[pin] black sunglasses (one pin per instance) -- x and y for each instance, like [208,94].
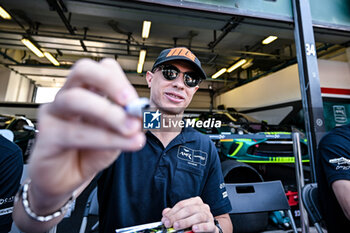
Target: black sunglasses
[170,72]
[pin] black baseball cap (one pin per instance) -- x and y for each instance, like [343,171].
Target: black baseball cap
[180,53]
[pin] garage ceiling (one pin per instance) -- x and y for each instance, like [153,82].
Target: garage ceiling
[96,29]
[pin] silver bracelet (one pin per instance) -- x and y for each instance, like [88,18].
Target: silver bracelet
[31,214]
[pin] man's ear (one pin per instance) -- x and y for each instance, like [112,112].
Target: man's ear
[149,78]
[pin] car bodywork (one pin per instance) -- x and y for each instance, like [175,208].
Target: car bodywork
[247,140]
[272,147]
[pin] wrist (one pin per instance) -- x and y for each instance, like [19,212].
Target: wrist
[41,203]
[218,227]
[33,213]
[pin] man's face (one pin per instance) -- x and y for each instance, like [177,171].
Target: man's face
[171,96]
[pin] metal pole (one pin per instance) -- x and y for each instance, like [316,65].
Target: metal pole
[304,221]
[309,78]
[290,215]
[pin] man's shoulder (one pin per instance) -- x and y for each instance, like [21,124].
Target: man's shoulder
[343,130]
[195,132]
[7,147]
[338,135]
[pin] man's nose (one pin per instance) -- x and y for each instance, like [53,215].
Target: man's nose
[179,81]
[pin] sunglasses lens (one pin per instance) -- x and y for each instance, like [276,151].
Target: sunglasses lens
[169,73]
[191,80]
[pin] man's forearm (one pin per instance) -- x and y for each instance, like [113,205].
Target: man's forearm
[41,206]
[27,224]
[225,223]
[341,190]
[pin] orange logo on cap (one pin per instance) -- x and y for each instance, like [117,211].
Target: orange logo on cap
[182,52]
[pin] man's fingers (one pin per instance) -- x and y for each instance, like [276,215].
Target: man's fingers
[204,227]
[86,136]
[81,103]
[192,219]
[106,78]
[125,92]
[80,135]
[185,209]
[165,211]
[184,203]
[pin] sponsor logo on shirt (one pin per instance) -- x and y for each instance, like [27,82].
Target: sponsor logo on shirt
[193,157]
[222,185]
[224,194]
[342,163]
[6,211]
[7,200]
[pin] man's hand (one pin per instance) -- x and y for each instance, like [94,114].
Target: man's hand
[85,128]
[190,213]
[80,133]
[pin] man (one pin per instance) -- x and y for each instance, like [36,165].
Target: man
[11,167]
[333,176]
[149,183]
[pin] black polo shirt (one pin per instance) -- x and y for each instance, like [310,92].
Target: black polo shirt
[333,163]
[139,185]
[11,167]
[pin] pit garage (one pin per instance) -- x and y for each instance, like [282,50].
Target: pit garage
[274,68]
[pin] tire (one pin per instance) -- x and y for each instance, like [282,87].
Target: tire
[237,172]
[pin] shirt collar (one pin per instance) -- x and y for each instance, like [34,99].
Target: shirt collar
[186,135]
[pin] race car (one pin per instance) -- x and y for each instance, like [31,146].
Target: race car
[247,140]
[263,147]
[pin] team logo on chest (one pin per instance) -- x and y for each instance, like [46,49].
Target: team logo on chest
[342,163]
[193,157]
